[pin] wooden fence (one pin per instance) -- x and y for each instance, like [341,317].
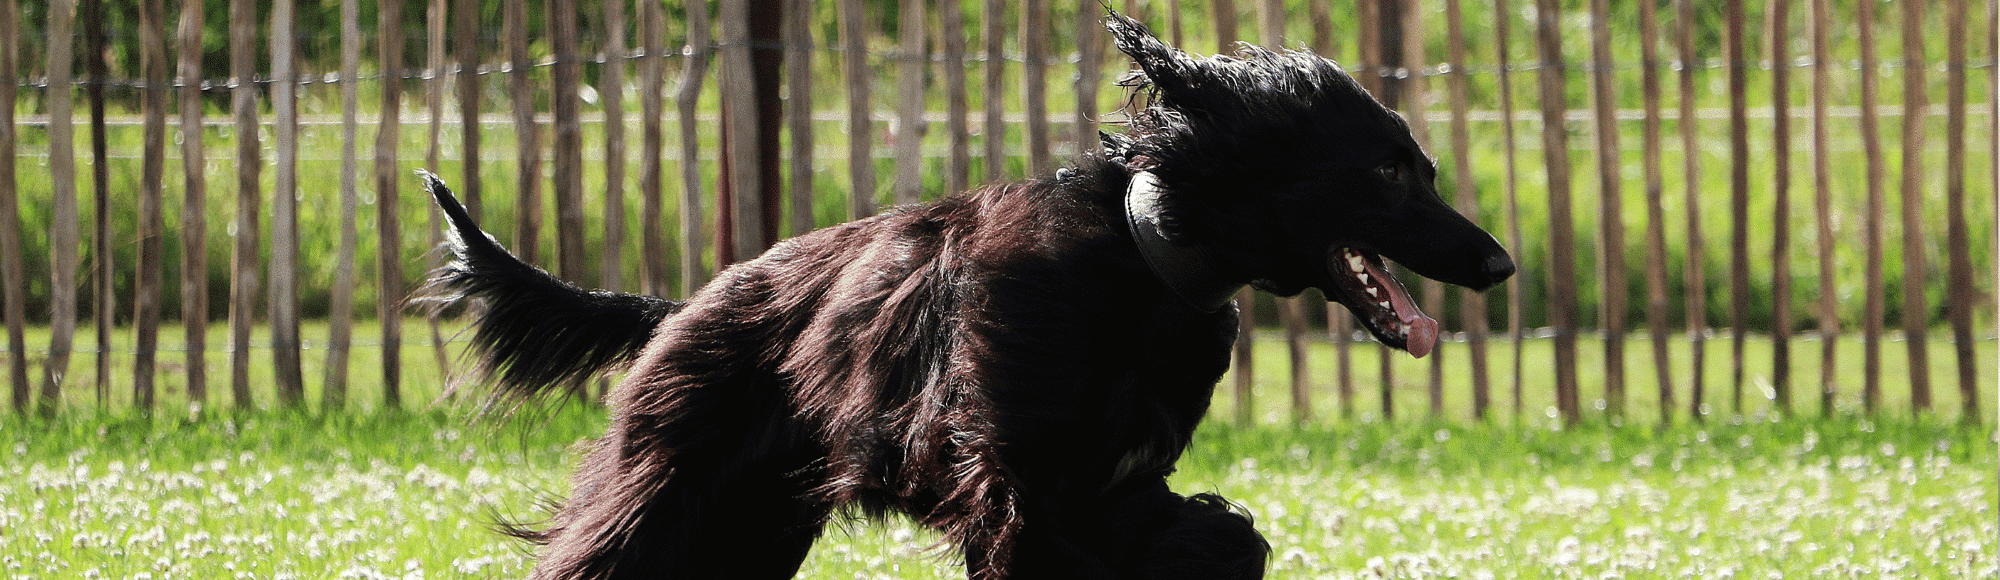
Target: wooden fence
[751,171]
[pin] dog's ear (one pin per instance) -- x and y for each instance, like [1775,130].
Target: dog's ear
[1164,66]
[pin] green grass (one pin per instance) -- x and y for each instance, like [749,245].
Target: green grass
[401,495]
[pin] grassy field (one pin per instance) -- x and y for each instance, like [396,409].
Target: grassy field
[413,495]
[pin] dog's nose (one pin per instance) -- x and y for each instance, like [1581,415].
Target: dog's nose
[1498,268]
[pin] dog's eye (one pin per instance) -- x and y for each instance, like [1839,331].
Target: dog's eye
[1391,171]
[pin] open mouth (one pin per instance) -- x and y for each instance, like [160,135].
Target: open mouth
[1379,301]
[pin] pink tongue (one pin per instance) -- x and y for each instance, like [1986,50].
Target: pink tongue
[1421,331]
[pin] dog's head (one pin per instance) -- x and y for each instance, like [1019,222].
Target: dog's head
[1288,175]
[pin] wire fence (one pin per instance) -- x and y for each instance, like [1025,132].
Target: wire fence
[528,113]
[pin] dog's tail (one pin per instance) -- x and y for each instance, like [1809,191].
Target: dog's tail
[535,333]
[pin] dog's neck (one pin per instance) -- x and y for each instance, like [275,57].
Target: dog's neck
[1187,270]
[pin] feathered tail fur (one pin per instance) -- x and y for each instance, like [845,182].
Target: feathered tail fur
[534,332]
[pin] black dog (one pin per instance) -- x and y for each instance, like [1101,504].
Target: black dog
[1017,367]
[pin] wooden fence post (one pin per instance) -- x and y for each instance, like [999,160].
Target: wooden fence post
[566,179]
[1656,215]
[1611,222]
[1034,84]
[153,106]
[13,283]
[1959,296]
[245,261]
[1472,305]
[528,170]
[63,236]
[1871,330]
[860,126]
[434,61]
[910,125]
[1916,316]
[1515,284]
[569,141]
[1781,198]
[96,66]
[194,205]
[799,51]
[615,54]
[951,24]
[742,208]
[655,277]
[389,259]
[994,99]
[1697,280]
[1089,73]
[697,52]
[1829,302]
[1417,83]
[284,208]
[333,396]
[465,45]
[1562,269]
[1739,197]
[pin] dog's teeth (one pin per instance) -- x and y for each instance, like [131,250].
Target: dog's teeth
[1384,304]
[1372,292]
[1363,276]
[1355,262]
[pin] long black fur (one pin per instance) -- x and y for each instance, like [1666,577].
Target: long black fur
[528,355]
[1002,365]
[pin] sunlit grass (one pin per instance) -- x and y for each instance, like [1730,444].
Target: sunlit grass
[400,495]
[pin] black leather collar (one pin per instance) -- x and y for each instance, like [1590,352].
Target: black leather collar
[1188,270]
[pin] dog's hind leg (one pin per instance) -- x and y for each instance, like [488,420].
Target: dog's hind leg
[649,514]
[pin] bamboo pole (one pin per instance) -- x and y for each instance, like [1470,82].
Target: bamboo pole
[389,301]
[152,175]
[860,125]
[1562,267]
[910,126]
[244,263]
[13,280]
[194,206]
[284,262]
[333,397]
[1611,222]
